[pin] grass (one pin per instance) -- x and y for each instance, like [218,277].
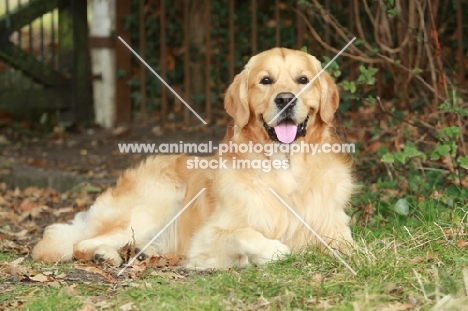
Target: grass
[410,262]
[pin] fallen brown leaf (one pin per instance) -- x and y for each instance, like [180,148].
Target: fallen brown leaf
[126,307]
[420,259]
[34,212]
[4,202]
[317,277]
[15,268]
[81,203]
[120,131]
[54,284]
[61,276]
[373,147]
[95,270]
[367,214]
[10,215]
[17,192]
[17,235]
[15,304]
[456,231]
[40,278]
[71,290]
[461,243]
[170,260]
[6,245]
[62,210]
[27,205]
[87,307]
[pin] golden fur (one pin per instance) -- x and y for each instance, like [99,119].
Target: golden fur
[237,220]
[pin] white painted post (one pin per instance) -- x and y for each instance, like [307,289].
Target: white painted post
[103,62]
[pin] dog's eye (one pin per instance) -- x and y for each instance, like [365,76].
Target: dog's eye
[303,80]
[266,80]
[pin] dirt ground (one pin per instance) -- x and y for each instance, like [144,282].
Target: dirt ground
[87,155]
[48,177]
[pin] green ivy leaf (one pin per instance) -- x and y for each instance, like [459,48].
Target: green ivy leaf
[358,42]
[411,151]
[337,73]
[349,86]
[417,70]
[372,100]
[400,157]
[370,81]
[463,162]
[451,132]
[373,71]
[388,158]
[440,151]
[393,12]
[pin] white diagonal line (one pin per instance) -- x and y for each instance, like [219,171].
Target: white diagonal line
[313,79]
[164,82]
[159,233]
[315,233]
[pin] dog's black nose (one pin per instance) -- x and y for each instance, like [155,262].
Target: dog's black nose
[282,99]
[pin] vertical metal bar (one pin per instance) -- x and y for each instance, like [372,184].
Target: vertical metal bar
[41,34]
[163,61]
[30,33]
[53,60]
[278,23]
[253,26]
[187,60]
[18,77]
[461,52]
[231,40]
[7,68]
[352,63]
[142,46]
[19,30]
[30,47]
[74,74]
[123,56]
[327,27]
[208,61]
[299,28]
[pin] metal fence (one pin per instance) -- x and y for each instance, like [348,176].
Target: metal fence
[43,55]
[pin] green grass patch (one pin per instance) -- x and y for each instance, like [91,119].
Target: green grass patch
[413,262]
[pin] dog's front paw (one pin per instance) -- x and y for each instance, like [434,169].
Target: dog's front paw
[273,250]
[148,251]
[107,254]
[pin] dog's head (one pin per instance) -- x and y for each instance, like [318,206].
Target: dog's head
[272,93]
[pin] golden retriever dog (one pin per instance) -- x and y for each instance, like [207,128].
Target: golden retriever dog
[237,220]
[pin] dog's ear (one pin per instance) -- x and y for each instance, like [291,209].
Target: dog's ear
[236,101]
[329,95]
[329,98]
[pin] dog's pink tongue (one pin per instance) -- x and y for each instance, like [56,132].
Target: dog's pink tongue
[286,132]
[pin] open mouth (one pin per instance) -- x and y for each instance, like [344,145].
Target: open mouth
[286,131]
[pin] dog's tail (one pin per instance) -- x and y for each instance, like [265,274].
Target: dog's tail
[57,243]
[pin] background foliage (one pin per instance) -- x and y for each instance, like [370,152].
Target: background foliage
[403,81]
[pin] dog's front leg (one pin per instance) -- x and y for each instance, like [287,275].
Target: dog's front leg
[214,247]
